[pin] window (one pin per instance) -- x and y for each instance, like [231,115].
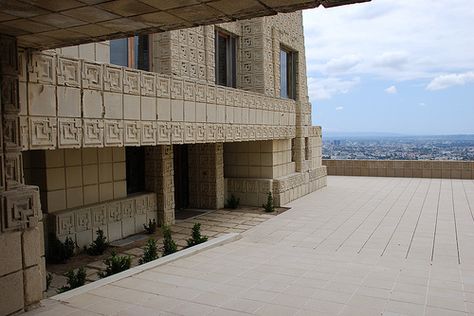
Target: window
[131,52]
[287,74]
[225,59]
[307,151]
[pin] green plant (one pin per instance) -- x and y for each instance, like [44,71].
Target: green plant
[169,246]
[151,227]
[49,279]
[99,245]
[58,251]
[74,279]
[232,202]
[269,205]
[196,237]
[150,252]
[115,264]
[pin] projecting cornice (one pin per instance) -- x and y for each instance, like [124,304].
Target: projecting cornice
[47,24]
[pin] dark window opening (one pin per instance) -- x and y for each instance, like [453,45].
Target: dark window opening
[133,52]
[135,165]
[306,149]
[225,55]
[142,52]
[293,150]
[287,74]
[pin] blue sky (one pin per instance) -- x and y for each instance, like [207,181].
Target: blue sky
[392,66]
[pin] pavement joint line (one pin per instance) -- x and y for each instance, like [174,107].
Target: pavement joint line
[401,217]
[384,216]
[418,219]
[219,241]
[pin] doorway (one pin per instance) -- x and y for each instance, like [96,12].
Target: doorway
[181,176]
[135,169]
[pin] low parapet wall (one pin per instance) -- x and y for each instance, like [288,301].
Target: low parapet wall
[401,168]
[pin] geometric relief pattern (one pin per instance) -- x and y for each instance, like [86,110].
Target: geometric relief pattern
[249,115]
[81,219]
[148,133]
[69,72]
[42,133]
[70,133]
[113,133]
[132,133]
[20,208]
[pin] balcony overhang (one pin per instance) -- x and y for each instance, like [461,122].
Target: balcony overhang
[44,24]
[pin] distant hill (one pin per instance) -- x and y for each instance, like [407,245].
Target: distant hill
[376,135]
[360,135]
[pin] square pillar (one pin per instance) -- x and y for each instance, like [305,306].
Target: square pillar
[22,273]
[206,176]
[159,174]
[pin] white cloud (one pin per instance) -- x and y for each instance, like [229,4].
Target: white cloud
[339,108]
[326,88]
[446,81]
[342,64]
[394,60]
[390,39]
[391,90]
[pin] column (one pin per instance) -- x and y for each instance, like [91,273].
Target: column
[159,179]
[206,176]
[22,273]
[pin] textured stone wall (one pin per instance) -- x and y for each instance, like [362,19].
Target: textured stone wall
[99,52]
[70,178]
[159,172]
[72,103]
[206,176]
[261,159]
[118,219]
[402,168]
[22,267]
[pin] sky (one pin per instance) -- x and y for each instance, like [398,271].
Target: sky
[392,66]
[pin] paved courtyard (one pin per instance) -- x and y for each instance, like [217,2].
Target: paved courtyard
[361,246]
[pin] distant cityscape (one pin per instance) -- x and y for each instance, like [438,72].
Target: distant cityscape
[449,147]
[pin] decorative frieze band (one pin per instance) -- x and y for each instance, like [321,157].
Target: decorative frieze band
[53,132]
[76,103]
[96,216]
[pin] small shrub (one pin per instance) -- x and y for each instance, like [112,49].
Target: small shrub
[232,202]
[196,237]
[115,264]
[58,251]
[151,227]
[169,246]
[74,279]
[150,253]
[269,205]
[99,245]
[49,279]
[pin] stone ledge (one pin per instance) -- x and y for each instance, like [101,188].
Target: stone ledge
[219,241]
[401,168]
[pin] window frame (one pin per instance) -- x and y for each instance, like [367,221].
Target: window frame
[291,72]
[231,58]
[131,52]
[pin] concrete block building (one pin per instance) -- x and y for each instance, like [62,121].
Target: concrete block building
[135,118]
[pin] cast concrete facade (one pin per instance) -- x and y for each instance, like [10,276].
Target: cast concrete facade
[401,168]
[70,116]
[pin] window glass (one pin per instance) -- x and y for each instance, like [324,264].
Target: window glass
[142,53]
[119,52]
[287,74]
[225,59]
[283,74]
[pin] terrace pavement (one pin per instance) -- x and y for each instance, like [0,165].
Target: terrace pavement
[361,246]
